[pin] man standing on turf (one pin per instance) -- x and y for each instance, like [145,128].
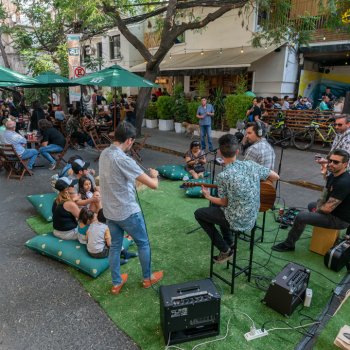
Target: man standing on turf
[118,173]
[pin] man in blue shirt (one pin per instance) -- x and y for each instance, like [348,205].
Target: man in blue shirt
[11,137]
[204,114]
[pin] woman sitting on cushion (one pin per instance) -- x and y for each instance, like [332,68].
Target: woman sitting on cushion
[65,212]
[195,160]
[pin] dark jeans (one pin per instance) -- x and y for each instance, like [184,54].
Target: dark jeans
[315,219]
[208,218]
[100,255]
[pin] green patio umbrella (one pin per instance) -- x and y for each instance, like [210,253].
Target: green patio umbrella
[50,80]
[250,93]
[115,76]
[12,77]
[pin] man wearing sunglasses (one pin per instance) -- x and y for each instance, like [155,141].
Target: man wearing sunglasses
[333,209]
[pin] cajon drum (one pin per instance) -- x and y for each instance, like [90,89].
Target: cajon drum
[323,239]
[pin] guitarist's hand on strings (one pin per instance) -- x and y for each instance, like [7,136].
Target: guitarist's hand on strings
[206,192]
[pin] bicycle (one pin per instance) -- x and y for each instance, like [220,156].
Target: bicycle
[280,130]
[304,139]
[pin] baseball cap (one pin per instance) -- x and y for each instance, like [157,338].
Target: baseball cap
[63,183]
[79,164]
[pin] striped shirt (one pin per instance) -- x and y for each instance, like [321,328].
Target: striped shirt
[13,138]
[262,153]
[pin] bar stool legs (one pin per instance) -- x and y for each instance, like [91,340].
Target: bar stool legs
[236,270]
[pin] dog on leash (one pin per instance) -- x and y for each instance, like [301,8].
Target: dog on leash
[190,129]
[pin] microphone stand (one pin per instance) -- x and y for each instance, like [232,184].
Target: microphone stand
[283,147]
[212,177]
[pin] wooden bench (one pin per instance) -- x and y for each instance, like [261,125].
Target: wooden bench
[297,120]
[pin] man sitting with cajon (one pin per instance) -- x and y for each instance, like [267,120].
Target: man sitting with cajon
[333,209]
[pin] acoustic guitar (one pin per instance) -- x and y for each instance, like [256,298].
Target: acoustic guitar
[267,193]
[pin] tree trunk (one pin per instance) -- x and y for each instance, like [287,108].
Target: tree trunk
[4,53]
[144,98]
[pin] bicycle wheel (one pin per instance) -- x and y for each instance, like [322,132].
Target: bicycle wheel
[303,140]
[270,139]
[286,137]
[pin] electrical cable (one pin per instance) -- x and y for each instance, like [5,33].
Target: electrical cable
[291,327]
[149,242]
[278,258]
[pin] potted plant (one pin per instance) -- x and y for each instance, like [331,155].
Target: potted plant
[165,105]
[180,108]
[151,116]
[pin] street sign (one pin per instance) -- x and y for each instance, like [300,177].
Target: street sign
[74,51]
[79,72]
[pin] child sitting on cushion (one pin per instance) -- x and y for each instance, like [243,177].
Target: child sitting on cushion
[89,196]
[84,220]
[99,239]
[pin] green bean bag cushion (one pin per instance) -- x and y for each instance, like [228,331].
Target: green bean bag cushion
[196,192]
[69,252]
[43,204]
[173,172]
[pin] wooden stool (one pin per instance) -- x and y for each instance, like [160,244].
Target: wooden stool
[323,239]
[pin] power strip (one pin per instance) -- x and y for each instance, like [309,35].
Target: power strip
[255,334]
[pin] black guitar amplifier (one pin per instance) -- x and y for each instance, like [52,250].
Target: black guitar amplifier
[189,311]
[339,256]
[288,289]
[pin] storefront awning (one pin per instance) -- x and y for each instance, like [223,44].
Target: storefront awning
[215,59]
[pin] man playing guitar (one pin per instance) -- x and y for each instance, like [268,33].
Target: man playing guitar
[236,208]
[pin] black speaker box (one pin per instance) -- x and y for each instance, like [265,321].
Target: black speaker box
[288,289]
[339,256]
[189,311]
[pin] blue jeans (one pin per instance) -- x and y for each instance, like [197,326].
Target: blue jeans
[30,154]
[206,132]
[45,152]
[134,225]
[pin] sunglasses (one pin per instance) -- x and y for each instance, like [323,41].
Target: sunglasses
[336,162]
[195,144]
[338,124]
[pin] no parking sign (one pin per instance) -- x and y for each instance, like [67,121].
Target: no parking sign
[79,72]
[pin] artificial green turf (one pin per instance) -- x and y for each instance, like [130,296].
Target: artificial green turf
[185,257]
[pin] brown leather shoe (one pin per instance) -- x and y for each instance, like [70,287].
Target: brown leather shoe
[116,289]
[156,277]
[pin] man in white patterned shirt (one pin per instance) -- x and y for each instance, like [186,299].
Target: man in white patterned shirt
[259,151]
[342,139]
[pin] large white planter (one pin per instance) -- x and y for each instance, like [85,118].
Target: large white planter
[233,131]
[166,125]
[179,128]
[151,123]
[143,123]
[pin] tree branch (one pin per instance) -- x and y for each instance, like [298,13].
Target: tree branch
[184,6]
[133,40]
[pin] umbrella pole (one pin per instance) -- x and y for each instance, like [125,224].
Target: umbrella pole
[115,108]
[51,97]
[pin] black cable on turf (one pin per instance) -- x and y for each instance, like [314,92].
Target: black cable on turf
[324,276]
[286,323]
[149,242]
